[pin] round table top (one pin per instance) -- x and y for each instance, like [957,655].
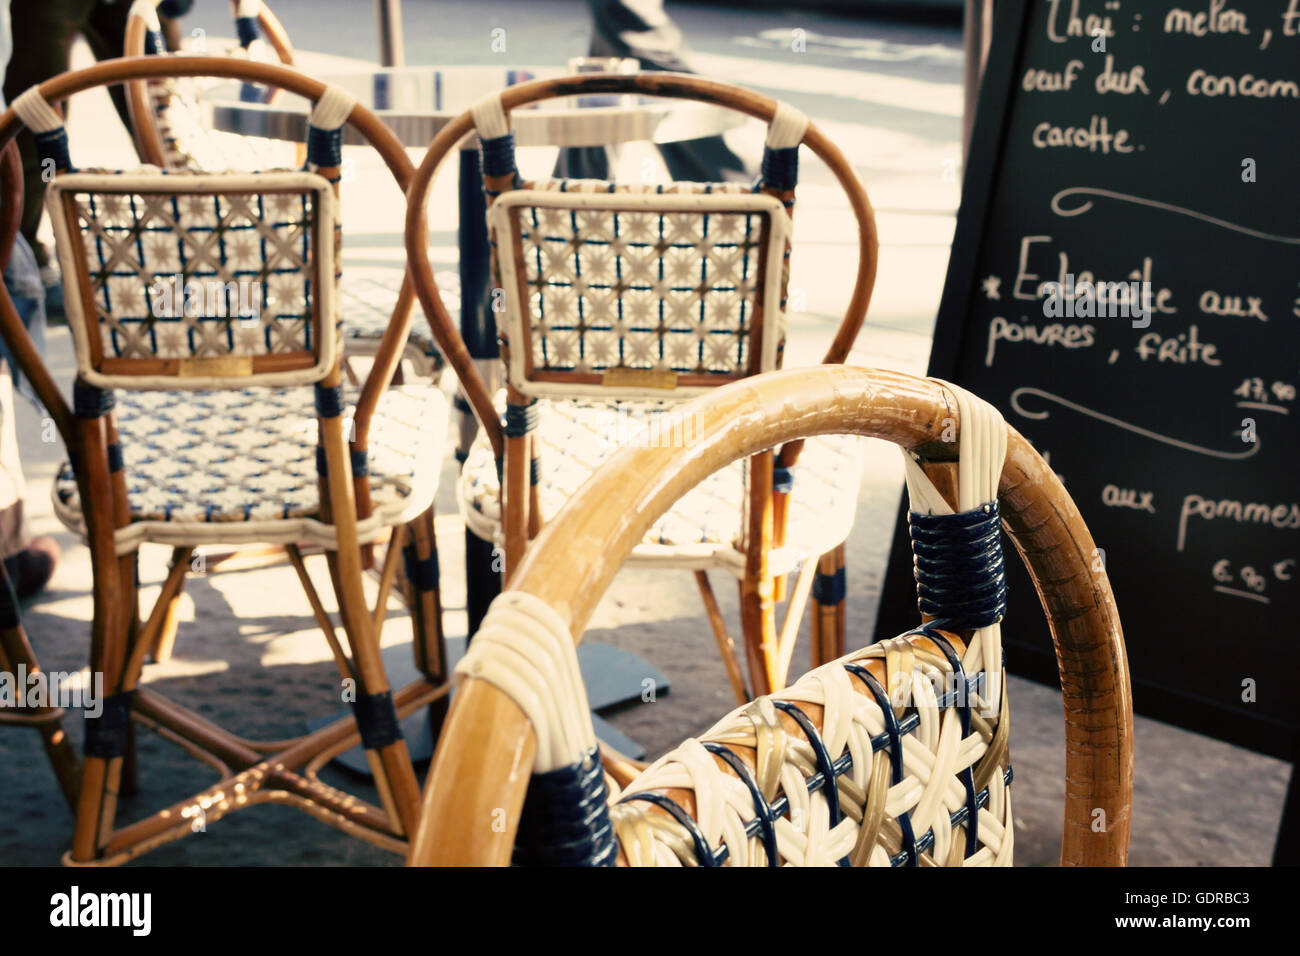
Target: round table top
[417,102]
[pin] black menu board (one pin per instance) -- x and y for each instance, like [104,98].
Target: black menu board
[1125,287]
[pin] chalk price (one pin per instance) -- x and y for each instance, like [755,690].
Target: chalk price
[1253,393]
[1248,582]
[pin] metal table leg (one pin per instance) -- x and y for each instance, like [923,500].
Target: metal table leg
[479,330]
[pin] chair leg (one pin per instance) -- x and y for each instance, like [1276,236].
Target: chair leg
[166,641]
[390,761]
[63,759]
[16,651]
[757,587]
[828,594]
[726,646]
[130,781]
[100,775]
[421,557]
[758,623]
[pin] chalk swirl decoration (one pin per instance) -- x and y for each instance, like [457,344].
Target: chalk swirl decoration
[1016,403]
[1083,206]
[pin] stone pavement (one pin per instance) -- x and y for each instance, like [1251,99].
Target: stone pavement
[249,656]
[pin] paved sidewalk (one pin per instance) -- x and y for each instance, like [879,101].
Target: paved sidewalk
[249,656]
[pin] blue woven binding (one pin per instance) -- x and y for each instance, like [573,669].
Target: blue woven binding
[246,30]
[421,572]
[520,419]
[324,146]
[377,720]
[782,479]
[498,155]
[107,735]
[780,168]
[90,401]
[329,401]
[360,462]
[53,145]
[565,820]
[829,589]
[153,43]
[960,577]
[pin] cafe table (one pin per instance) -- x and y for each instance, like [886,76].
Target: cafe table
[416,103]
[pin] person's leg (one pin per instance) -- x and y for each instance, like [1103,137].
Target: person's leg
[169,15]
[22,277]
[28,562]
[105,31]
[641,29]
[43,33]
[637,28]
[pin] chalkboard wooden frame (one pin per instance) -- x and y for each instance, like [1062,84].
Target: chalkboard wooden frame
[988,146]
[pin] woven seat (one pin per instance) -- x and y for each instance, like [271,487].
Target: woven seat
[240,466]
[576,437]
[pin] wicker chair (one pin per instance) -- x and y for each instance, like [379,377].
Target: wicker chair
[166,118]
[169,133]
[16,655]
[913,730]
[230,431]
[617,303]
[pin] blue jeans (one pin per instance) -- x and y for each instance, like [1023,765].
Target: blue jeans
[23,280]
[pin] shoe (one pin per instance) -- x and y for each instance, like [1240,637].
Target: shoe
[31,568]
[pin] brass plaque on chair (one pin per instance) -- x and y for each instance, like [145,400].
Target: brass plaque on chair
[639,378]
[216,366]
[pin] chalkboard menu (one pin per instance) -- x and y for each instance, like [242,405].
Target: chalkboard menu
[1125,287]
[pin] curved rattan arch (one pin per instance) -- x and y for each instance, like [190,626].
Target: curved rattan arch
[671,85]
[484,758]
[144,124]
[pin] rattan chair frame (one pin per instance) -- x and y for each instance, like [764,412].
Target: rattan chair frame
[251,772]
[480,766]
[764,527]
[144,122]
